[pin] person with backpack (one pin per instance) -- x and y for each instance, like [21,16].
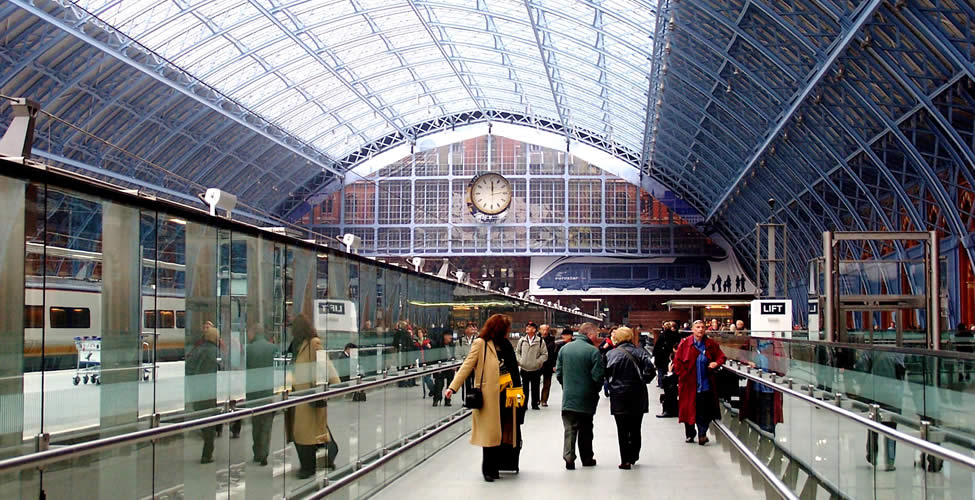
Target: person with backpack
[628,371]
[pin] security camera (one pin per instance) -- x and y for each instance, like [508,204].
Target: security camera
[459,275]
[505,289]
[417,263]
[771,203]
[351,242]
[219,199]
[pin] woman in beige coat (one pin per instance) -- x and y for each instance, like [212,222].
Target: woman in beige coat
[493,363]
[311,420]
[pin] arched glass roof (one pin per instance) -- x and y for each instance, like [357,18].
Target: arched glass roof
[341,74]
[853,115]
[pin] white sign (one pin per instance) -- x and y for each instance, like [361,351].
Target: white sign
[813,321]
[771,318]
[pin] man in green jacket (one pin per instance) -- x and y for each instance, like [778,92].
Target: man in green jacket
[260,386]
[579,369]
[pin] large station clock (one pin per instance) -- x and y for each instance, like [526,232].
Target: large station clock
[489,194]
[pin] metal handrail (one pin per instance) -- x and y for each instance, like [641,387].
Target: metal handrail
[843,345]
[42,458]
[777,484]
[372,466]
[924,446]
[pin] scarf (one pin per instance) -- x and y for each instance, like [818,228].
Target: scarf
[703,384]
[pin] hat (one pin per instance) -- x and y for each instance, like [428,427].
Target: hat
[531,323]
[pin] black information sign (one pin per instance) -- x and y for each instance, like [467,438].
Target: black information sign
[331,308]
[777,308]
[814,307]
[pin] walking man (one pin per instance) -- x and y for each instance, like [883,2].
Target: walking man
[259,382]
[532,353]
[579,369]
[548,368]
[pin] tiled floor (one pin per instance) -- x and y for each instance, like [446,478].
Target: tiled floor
[668,467]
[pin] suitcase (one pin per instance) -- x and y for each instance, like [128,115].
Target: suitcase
[508,458]
[668,400]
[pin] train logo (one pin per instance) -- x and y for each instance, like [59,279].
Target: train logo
[677,274]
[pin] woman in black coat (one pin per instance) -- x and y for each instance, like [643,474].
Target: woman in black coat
[628,371]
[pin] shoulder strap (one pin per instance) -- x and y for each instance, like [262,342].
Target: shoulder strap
[633,359]
[483,361]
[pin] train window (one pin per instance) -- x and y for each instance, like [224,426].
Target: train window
[180,319]
[33,316]
[166,319]
[70,317]
[148,319]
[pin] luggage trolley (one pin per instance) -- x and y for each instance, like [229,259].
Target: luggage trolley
[89,359]
[148,356]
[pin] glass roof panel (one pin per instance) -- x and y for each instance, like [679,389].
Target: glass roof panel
[233,47]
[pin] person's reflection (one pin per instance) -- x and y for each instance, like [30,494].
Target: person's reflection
[260,354]
[762,404]
[439,379]
[310,428]
[825,373]
[882,381]
[201,371]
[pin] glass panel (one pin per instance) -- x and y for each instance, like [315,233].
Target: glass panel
[200,381]
[20,333]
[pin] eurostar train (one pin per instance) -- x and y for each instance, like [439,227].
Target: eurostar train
[676,274]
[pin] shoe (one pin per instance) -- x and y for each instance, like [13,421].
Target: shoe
[890,467]
[545,405]
[305,474]
[665,415]
[536,408]
[235,435]
[703,440]
[446,402]
[689,439]
[570,465]
[626,466]
[489,478]
[590,463]
[206,460]
[263,462]
[436,402]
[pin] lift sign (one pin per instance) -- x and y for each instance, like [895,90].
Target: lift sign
[331,308]
[777,308]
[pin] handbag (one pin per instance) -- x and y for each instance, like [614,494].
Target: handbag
[475,398]
[331,449]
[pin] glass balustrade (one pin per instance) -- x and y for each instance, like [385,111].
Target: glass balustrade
[128,313]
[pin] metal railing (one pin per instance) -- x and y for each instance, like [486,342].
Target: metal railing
[874,426]
[49,456]
[770,478]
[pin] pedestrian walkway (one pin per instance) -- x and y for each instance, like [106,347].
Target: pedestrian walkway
[668,467]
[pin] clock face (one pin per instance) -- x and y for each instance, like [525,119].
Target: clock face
[490,193]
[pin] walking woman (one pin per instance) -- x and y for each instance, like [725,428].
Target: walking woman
[696,360]
[628,371]
[310,428]
[495,368]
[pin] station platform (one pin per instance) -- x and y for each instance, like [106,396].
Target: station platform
[668,468]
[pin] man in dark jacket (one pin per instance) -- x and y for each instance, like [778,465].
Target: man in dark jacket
[260,384]
[579,369]
[548,368]
[201,382]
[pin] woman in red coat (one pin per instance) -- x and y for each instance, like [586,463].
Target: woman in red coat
[696,360]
